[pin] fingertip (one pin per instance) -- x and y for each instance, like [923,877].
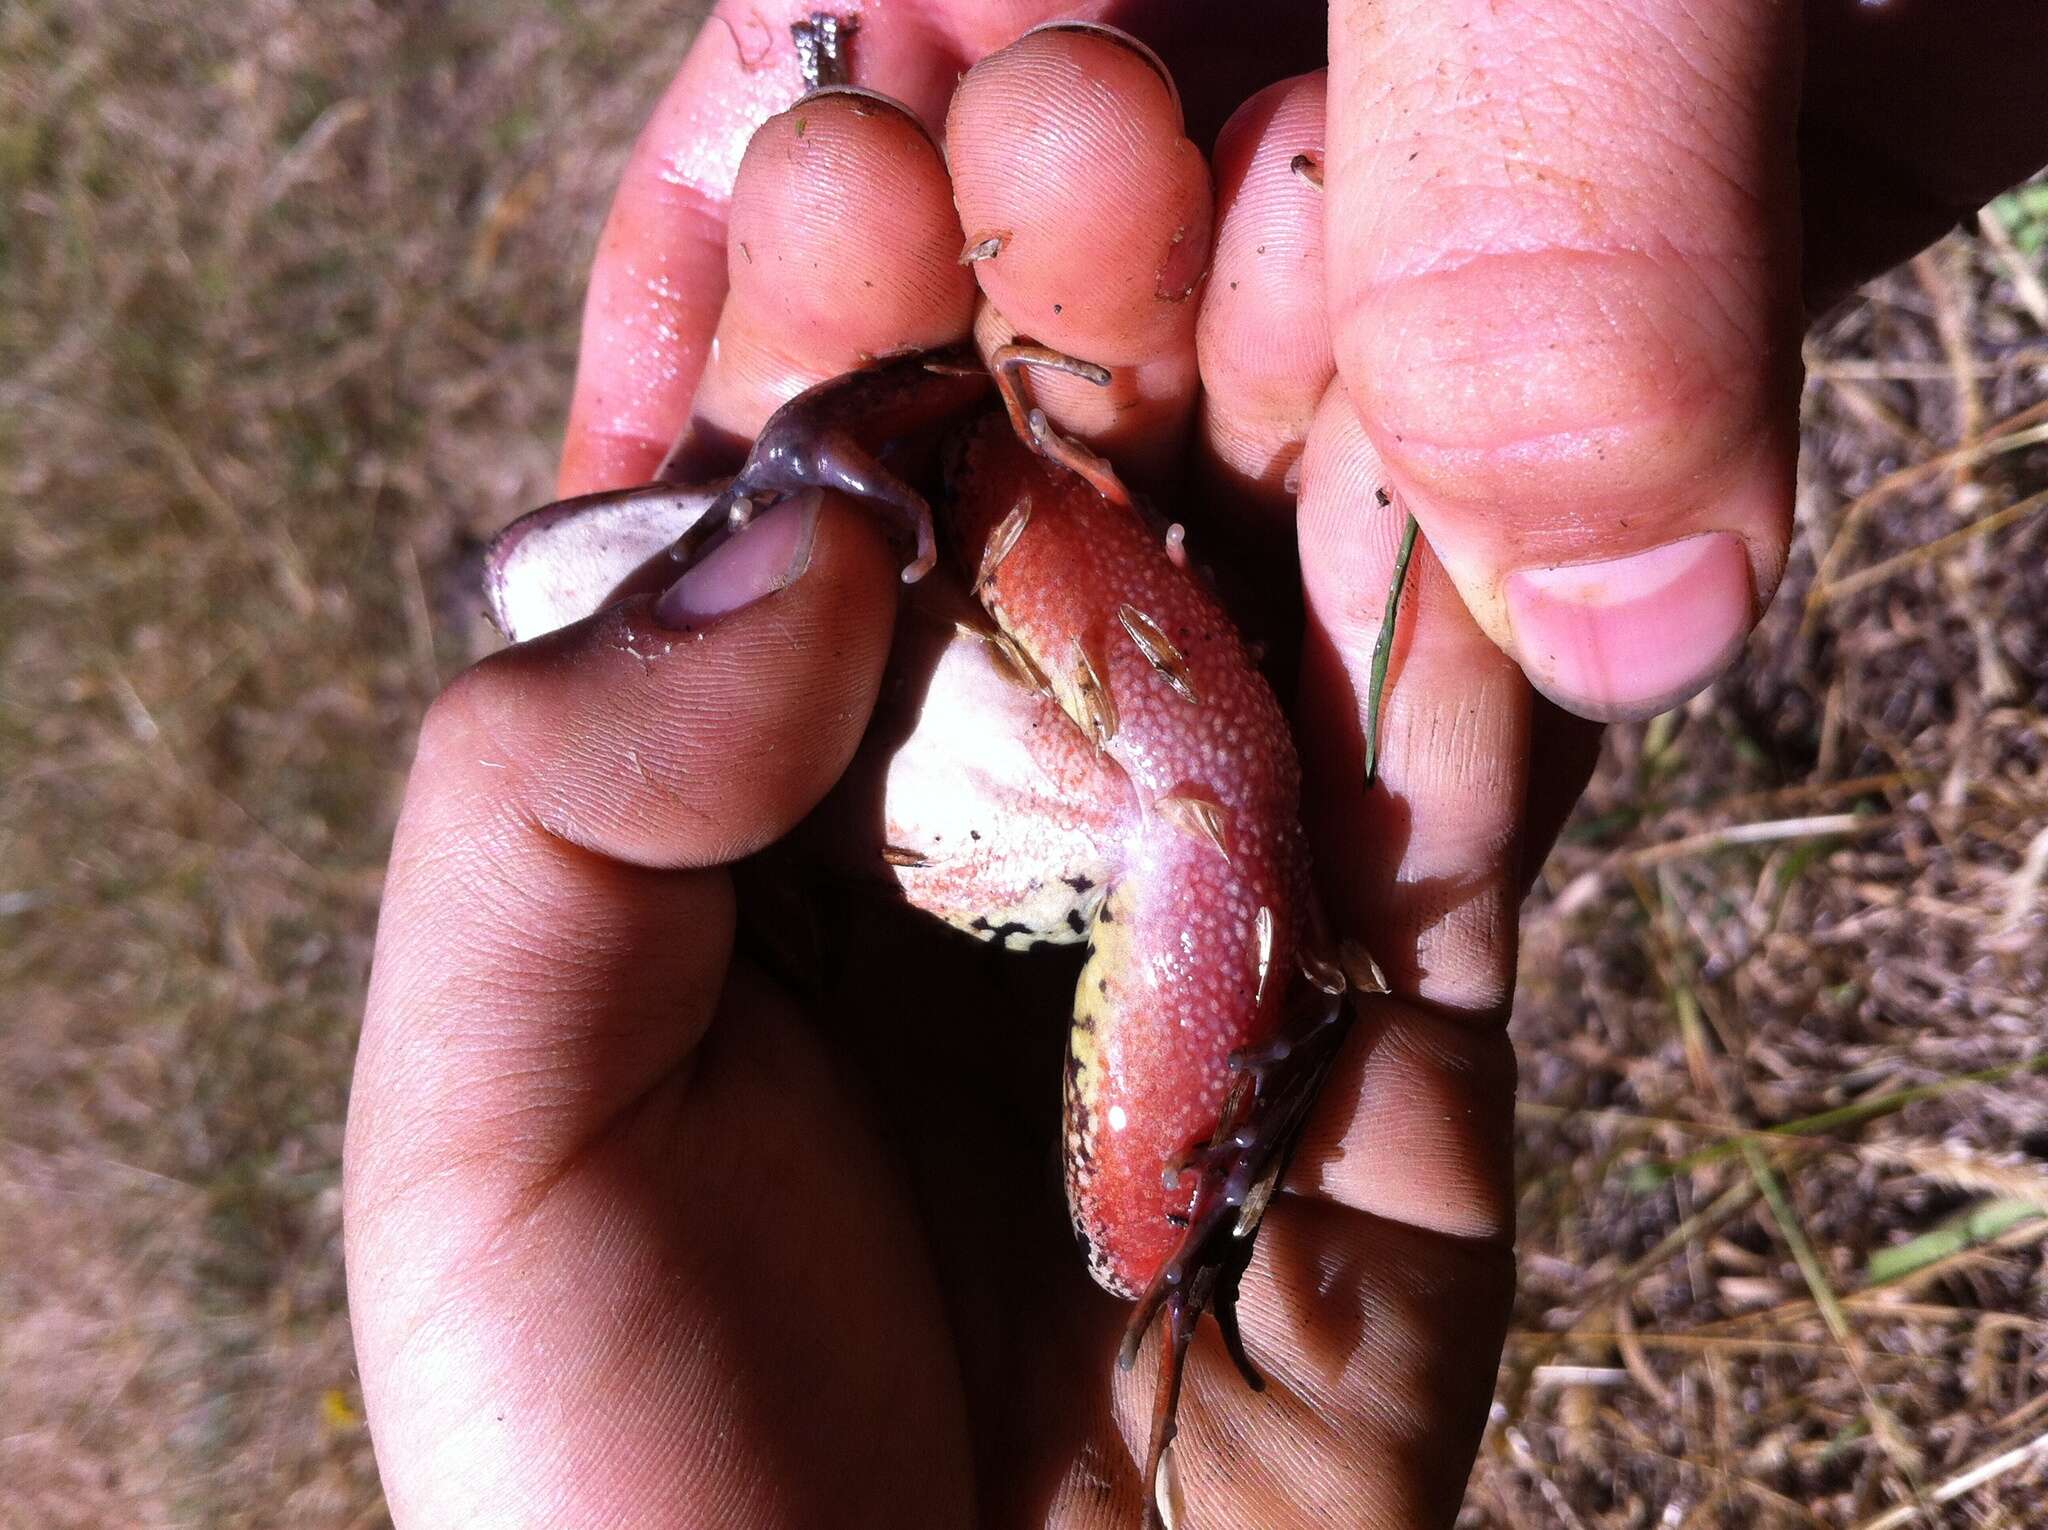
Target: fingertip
[842,247]
[1263,336]
[1087,214]
[1624,638]
[842,216]
[658,282]
[1069,143]
[668,743]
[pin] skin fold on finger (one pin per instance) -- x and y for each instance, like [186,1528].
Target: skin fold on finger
[1088,212]
[1564,288]
[659,277]
[842,247]
[1263,337]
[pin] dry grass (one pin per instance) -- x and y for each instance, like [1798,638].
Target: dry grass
[289,303]
[1785,1078]
[289,311]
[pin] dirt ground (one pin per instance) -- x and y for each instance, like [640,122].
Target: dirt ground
[287,310]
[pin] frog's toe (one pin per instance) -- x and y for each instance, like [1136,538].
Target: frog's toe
[1236,1174]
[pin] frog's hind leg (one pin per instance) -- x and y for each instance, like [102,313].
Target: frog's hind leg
[1237,1173]
[1031,424]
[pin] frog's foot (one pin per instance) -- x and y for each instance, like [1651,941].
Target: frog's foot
[1236,1175]
[1031,424]
[793,454]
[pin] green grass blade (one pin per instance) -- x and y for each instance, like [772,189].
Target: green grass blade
[1383,651]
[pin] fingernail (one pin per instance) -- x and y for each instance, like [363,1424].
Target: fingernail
[1122,39]
[864,101]
[770,555]
[1630,637]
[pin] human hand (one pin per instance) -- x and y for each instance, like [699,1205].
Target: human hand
[624,1247]
[633,1237]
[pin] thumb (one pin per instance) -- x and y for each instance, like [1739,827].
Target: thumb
[1563,265]
[556,880]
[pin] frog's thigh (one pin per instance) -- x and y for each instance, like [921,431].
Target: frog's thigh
[1001,817]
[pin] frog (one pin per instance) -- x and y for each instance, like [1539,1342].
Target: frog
[1098,760]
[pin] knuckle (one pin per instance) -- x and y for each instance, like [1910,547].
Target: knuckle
[1562,384]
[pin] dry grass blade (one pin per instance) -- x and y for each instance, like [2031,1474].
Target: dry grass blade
[1966,1481]
[2022,430]
[1941,547]
[1711,841]
[2026,280]
[1883,1426]
[1824,1125]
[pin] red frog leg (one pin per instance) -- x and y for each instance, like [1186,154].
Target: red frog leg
[1199,1033]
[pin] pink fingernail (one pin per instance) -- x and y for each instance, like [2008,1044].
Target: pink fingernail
[863,102]
[1123,40]
[1634,636]
[770,555]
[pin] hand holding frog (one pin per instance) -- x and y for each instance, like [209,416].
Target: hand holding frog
[637,1240]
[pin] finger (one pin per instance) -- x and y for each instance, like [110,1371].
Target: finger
[1378,1302]
[560,1201]
[1423,865]
[1415,1123]
[1564,286]
[659,277]
[548,907]
[1086,214]
[1398,1338]
[842,247]
[1263,338]
[1378,1344]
